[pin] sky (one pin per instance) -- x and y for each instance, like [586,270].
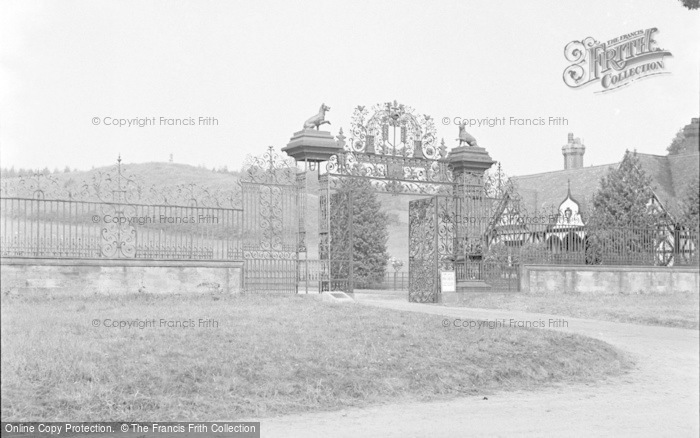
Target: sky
[261,68]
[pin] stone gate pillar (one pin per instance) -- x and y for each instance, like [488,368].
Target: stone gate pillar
[312,148]
[471,210]
[469,159]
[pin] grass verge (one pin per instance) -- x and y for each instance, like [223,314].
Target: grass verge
[266,356]
[671,310]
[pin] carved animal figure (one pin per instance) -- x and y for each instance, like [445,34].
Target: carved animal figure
[464,136]
[319,119]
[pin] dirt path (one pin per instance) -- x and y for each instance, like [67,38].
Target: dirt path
[659,398]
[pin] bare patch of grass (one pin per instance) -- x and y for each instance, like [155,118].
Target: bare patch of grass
[671,310]
[268,356]
[379,294]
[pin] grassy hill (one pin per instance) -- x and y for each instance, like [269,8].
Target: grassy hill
[158,174]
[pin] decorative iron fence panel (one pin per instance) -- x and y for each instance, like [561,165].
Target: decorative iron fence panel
[113,215]
[271,231]
[499,276]
[685,248]
[635,246]
[55,228]
[336,240]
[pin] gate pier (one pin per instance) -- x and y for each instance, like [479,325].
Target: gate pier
[471,206]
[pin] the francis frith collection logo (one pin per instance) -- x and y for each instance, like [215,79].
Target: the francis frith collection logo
[615,63]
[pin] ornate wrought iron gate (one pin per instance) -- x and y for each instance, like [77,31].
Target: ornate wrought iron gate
[270,225]
[422,256]
[391,150]
[335,240]
[431,235]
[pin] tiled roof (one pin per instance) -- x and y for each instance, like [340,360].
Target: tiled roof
[545,191]
[670,177]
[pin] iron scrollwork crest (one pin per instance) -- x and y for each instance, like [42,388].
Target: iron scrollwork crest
[394,129]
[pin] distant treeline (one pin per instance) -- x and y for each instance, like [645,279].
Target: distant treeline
[11,172]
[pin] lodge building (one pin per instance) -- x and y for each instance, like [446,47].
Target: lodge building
[566,195]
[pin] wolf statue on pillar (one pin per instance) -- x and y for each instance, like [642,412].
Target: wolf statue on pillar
[319,119]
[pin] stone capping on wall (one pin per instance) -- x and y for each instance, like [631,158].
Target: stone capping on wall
[610,268]
[617,279]
[40,261]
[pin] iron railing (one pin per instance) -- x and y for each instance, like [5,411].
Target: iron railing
[636,246]
[79,229]
[391,281]
[500,276]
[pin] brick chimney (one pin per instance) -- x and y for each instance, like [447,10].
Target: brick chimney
[573,152]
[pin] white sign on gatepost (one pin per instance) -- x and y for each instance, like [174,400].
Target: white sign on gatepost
[448,281]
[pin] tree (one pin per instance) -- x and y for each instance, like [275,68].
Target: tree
[8,173]
[691,4]
[624,196]
[677,144]
[690,205]
[396,263]
[370,234]
[622,225]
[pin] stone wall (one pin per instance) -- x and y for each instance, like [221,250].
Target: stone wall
[608,279]
[80,277]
